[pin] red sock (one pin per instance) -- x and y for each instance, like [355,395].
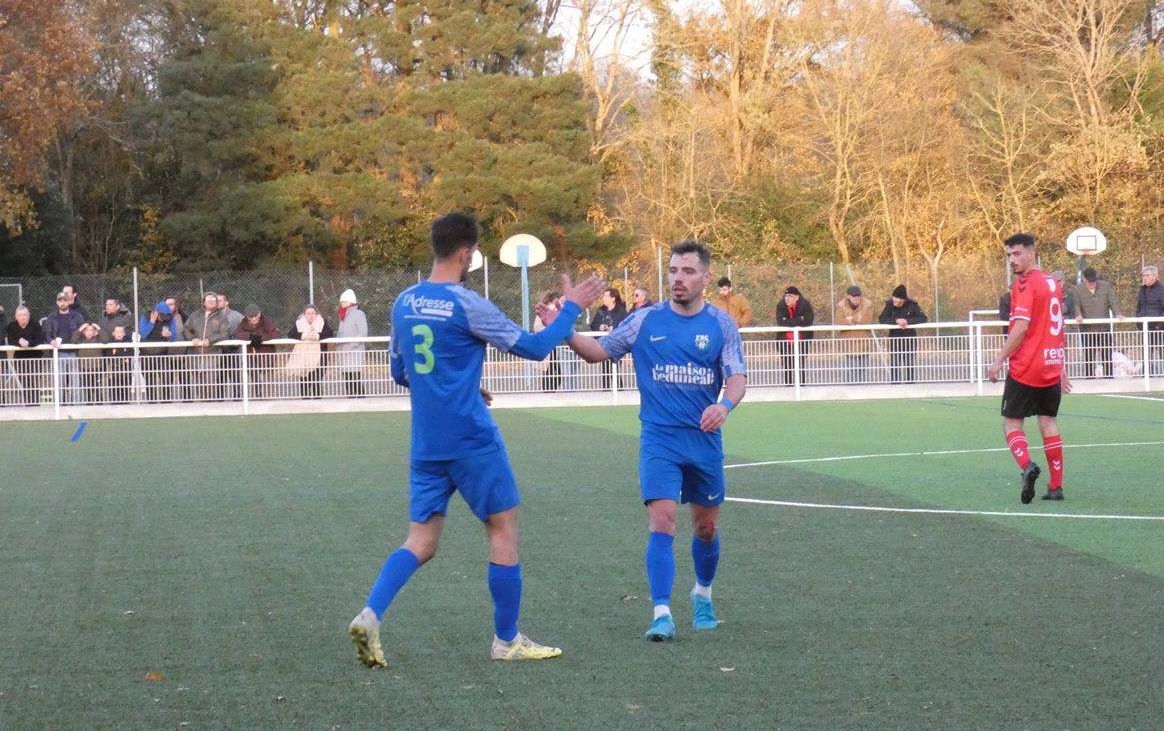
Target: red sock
[1017,441]
[1053,448]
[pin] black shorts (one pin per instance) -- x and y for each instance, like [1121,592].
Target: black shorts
[1020,400]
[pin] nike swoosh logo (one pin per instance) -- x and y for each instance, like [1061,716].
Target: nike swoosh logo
[713,497]
[657,338]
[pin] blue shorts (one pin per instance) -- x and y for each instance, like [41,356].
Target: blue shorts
[485,481]
[681,464]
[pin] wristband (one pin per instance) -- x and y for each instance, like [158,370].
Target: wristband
[728,403]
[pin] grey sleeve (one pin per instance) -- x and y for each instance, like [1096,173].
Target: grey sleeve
[732,356]
[487,322]
[620,341]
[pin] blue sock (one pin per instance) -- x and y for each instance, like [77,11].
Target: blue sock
[401,564]
[705,556]
[505,586]
[661,566]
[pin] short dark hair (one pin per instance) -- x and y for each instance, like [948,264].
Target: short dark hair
[723,282]
[1024,240]
[453,231]
[692,246]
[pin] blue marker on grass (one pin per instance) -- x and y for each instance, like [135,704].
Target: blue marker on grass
[79,432]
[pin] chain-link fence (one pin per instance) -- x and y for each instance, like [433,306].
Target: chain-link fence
[947,291]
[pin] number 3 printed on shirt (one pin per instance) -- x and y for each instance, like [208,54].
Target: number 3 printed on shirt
[423,349]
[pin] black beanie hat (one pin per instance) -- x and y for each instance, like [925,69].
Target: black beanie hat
[899,292]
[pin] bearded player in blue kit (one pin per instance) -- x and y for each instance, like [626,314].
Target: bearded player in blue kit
[684,352]
[439,334]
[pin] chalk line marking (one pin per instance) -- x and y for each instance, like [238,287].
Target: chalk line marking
[931,453]
[1137,398]
[939,511]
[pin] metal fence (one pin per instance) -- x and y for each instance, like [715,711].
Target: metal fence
[855,358]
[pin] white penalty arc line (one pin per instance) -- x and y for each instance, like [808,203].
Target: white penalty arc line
[931,453]
[940,511]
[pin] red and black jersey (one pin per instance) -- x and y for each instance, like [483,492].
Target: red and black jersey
[1037,297]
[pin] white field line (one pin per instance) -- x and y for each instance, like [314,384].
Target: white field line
[1137,398]
[931,453]
[937,511]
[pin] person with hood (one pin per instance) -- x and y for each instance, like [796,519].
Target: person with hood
[350,356]
[158,365]
[903,312]
[25,332]
[793,310]
[306,361]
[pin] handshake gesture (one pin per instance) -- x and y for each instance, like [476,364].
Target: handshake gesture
[582,294]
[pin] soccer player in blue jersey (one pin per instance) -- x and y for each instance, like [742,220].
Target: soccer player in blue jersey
[439,334]
[685,352]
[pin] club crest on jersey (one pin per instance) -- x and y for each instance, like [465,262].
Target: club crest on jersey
[702,341]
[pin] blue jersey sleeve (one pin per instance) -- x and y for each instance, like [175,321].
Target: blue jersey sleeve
[488,323]
[732,356]
[396,359]
[620,341]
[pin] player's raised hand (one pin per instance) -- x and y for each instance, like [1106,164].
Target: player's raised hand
[546,313]
[584,292]
[713,417]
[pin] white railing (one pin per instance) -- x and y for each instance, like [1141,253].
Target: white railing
[852,357]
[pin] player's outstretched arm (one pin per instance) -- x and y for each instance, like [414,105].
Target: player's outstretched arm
[487,322]
[587,348]
[715,415]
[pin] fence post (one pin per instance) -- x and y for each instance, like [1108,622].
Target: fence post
[659,268]
[976,338]
[310,281]
[136,321]
[135,372]
[1147,358]
[56,383]
[246,386]
[796,363]
[485,261]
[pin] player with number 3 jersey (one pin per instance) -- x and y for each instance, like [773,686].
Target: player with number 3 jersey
[1036,378]
[440,331]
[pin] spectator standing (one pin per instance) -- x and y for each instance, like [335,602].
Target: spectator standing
[350,356]
[904,312]
[306,360]
[1150,303]
[205,329]
[25,332]
[734,304]
[552,379]
[3,319]
[75,301]
[159,365]
[257,328]
[1095,298]
[640,299]
[234,318]
[119,370]
[1004,311]
[181,373]
[59,328]
[112,316]
[89,362]
[855,309]
[793,310]
[606,318]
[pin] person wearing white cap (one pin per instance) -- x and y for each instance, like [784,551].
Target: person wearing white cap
[350,356]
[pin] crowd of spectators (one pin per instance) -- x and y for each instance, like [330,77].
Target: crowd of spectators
[209,370]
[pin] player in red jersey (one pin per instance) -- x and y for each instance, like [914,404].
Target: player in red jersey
[1037,378]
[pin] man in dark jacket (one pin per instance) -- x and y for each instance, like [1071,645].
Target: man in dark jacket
[112,316]
[25,332]
[900,310]
[793,310]
[257,329]
[59,327]
[1150,303]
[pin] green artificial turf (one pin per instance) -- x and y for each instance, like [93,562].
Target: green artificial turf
[227,556]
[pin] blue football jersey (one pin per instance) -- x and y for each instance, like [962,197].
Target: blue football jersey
[680,361]
[439,334]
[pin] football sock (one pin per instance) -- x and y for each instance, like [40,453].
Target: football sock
[661,567]
[505,586]
[1053,448]
[401,564]
[662,610]
[1017,442]
[705,556]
